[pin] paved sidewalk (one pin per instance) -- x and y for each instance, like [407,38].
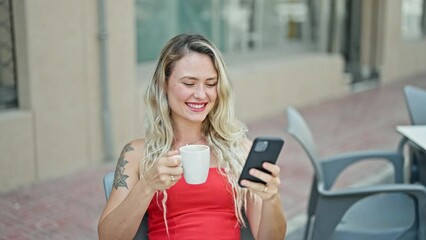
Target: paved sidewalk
[69,207]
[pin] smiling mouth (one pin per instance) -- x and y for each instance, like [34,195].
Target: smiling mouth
[197,106]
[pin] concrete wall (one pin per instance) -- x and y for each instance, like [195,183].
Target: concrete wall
[57,129]
[17,147]
[267,87]
[401,58]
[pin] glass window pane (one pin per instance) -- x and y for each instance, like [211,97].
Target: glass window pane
[411,18]
[233,25]
[8,92]
[155,23]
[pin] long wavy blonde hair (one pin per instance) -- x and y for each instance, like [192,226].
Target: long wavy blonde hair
[225,135]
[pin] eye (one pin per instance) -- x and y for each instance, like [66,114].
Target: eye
[188,84]
[211,84]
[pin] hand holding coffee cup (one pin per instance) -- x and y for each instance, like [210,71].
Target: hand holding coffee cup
[165,172]
[195,163]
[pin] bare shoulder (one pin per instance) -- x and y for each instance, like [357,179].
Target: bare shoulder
[127,168]
[132,150]
[137,145]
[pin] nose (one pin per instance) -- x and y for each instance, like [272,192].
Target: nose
[200,92]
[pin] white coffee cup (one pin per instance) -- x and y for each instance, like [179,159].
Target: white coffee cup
[195,163]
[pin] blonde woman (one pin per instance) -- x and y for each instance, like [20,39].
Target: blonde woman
[190,101]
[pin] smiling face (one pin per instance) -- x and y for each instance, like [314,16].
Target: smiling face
[192,88]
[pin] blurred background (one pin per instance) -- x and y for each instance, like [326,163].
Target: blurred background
[72,71]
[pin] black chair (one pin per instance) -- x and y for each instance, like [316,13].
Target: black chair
[388,211]
[415,98]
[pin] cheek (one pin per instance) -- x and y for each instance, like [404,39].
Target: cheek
[178,93]
[212,93]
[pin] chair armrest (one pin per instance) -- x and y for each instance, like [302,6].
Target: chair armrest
[402,143]
[340,201]
[334,165]
[416,190]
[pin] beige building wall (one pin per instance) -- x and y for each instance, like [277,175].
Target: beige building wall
[57,129]
[17,147]
[401,58]
[267,87]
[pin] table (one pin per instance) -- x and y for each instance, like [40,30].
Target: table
[414,133]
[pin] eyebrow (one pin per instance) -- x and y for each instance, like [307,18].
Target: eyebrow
[194,78]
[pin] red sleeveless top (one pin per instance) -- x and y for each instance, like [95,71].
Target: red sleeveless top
[204,211]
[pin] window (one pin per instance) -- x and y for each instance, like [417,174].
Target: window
[8,89]
[235,26]
[413,19]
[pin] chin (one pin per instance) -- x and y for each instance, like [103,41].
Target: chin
[197,119]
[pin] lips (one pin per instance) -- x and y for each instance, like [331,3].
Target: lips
[197,107]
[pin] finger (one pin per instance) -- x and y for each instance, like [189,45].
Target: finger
[170,166]
[172,153]
[167,171]
[273,168]
[174,170]
[261,175]
[169,178]
[175,178]
[172,161]
[168,155]
[253,186]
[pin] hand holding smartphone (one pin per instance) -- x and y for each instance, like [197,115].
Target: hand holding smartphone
[264,149]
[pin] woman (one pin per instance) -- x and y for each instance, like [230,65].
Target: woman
[189,101]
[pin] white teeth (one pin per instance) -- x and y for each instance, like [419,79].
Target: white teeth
[197,106]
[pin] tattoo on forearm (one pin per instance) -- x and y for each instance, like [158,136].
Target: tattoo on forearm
[119,177]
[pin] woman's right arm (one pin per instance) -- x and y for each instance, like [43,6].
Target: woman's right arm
[131,195]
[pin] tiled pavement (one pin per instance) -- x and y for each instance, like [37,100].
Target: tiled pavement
[69,207]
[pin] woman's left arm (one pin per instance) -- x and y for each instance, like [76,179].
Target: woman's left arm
[264,211]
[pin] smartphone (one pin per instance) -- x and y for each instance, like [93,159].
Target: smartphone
[264,149]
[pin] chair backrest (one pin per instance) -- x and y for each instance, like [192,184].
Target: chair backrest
[108,181]
[415,99]
[300,130]
[143,228]
[328,210]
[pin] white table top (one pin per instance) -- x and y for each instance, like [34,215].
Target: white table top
[415,133]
